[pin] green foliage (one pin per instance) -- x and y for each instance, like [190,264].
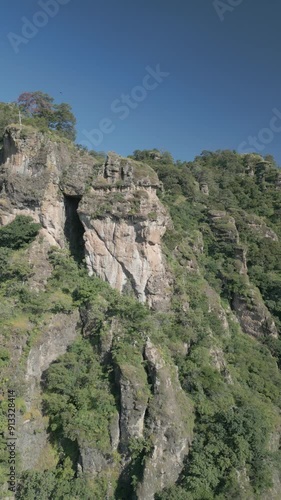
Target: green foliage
[153,154]
[235,406]
[227,441]
[78,398]
[38,110]
[35,103]
[4,263]
[40,106]
[232,425]
[18,233]
[63,121]
[9,113]
[53,484]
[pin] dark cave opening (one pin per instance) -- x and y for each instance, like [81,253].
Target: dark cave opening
[73,228]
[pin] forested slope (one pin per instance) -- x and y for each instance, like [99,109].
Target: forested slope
[159,379]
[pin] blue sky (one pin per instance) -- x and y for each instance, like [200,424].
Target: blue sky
[224,70]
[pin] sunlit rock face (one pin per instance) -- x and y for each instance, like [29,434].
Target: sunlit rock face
[124,223]
[123,218]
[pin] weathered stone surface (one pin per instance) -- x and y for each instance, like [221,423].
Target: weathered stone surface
[92,461]
[264,231]
[134,395]
[254,223]
[204,188]
[224,226]
[251,312]
[79,174]
[35,174]
[253,315]
[56,336]
[123,231]
[124,220]
[169,424]
[124,224]
[128,172]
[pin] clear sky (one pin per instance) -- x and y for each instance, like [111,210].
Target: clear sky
[220,62]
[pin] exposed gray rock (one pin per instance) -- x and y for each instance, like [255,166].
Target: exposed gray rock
[134,395]
[169,426]
[123,232]
[224,226]
[92,460]
[204,188]
[253,315]
[123,218]
[55,337]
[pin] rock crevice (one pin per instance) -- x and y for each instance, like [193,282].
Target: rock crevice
[118,224]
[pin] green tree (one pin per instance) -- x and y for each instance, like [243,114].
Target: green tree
[9,113]
[63,120]
[41,107]
[18,233]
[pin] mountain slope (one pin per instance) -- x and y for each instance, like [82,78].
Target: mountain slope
[141,312]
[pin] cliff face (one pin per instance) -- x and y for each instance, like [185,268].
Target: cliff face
[30,176]
[170,426]
[124,223]
[117,204]
[115,213]
[109,383]
[249,307]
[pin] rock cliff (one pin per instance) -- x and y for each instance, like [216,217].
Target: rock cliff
[124,223]
[140,327]
[117,203]
[113,213]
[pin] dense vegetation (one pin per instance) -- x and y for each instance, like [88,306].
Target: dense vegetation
[18,233]
[235,406]
[232,378]
[39,110]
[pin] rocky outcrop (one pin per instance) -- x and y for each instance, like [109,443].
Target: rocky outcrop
[250,163]
[249,307]
[225,229]
[29,179]
[92,461]
[124,222]
[261,229]
[152,409]
[59,333]
[111,209]
[204,188]
[224,226]
[253,315]
[56,336]
[134,395]
[169,425]
[123,218]
[253,223]
[35,174]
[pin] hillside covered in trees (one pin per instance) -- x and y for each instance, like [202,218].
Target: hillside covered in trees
[140,310]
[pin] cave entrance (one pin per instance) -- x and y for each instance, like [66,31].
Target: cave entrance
[73,228]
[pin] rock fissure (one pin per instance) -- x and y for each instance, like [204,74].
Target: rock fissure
[73,227]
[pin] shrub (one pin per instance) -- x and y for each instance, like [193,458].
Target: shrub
[18,233]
